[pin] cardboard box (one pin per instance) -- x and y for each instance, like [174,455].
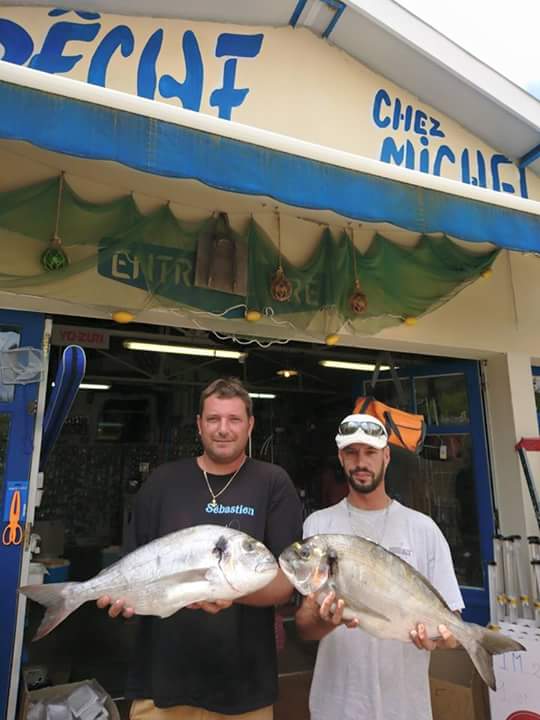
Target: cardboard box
[518,676]
[27,697]
[457,690]
[293,700]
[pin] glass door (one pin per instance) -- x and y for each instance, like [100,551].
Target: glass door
[450,480]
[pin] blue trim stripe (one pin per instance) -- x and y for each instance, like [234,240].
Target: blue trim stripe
[90,131]
[16,471]
[529,157]
[334,21]
[298,10]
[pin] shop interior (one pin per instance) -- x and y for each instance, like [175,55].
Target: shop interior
[137,409]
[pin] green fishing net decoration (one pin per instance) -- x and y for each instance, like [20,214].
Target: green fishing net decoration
[384,285]
[54,258]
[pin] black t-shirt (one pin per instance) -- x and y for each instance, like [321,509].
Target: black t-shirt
[225,663]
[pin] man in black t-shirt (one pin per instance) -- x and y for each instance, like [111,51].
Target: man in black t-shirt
[217,659]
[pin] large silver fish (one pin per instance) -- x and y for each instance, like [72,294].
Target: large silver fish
[386,594]
[207,562]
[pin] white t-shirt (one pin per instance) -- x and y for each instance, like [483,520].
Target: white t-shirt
[358,676]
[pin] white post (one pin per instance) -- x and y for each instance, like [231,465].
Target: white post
[511,415]
[33,491]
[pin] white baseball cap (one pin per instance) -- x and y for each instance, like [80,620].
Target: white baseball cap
[364,429]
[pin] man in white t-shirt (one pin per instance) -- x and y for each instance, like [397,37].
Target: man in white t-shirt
[358,676]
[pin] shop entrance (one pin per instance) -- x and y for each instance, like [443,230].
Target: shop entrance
[137,409]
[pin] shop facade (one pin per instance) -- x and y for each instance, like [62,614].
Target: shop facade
[357,216]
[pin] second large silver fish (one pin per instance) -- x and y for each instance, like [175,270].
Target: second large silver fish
[386,594]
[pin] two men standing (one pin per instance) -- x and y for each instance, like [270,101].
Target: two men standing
[219,659]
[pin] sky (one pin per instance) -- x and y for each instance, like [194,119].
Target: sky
[502,33]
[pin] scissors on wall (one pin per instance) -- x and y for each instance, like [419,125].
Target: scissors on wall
[13,532]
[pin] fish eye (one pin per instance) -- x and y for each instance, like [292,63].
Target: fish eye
[304,552]
[249,546]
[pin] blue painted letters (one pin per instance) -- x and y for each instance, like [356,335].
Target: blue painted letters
[17,43]
[53,57]
[120,37]
[228,96]
[188,92]
[146,72]
[416,153]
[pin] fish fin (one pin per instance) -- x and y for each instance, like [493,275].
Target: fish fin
[189,576]
[481,644]
[56,597]
[215,575]
[178,598]
[189,587]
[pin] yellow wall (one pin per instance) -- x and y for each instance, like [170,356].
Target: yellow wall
[298,85]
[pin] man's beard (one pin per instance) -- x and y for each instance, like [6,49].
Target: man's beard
[364,488]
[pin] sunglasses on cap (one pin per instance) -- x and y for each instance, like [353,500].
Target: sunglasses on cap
[373,429]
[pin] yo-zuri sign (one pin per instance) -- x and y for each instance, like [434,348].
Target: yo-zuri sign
[76,37]
[85,336]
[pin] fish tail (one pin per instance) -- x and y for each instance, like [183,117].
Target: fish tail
[58,600]
[481,644]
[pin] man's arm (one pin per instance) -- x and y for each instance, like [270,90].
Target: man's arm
[277,592]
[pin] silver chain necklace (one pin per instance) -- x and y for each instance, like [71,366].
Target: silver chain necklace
[214,495]
[385,521]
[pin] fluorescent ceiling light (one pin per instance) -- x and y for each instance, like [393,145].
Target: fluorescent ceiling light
[94,386]
[183,350]
[342,365]
[262,396]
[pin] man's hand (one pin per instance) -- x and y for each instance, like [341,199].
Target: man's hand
[116,608]
[420,638]
[314,622]
[277,592]
[331,611]
[211,607]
